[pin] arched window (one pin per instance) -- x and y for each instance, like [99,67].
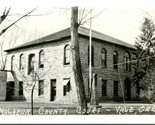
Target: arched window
[12,62]
[31,62]
[67,54]
[41,59]
[21,62]
[115,60]
[127,64]
[104,57]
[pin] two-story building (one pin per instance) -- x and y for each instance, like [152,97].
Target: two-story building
[45,63]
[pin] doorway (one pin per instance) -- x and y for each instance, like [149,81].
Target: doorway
[127,89]
[53,90]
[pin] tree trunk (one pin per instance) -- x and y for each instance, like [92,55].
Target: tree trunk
[76,63]
[32,91]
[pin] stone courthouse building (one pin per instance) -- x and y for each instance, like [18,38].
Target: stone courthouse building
[45,63]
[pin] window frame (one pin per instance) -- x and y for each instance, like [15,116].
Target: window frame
[30,57]
[21,88]
[66,88]
[41,58]
[104,85]
[115,60]
[127,63]
[40,87]
[115,88]
[21,62]
[104,61]
[67,50]
[12,62]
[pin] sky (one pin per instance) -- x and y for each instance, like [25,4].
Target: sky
[119,18]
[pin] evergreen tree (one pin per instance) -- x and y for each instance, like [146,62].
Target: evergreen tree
[144,63]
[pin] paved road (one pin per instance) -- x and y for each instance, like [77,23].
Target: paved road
[24,108]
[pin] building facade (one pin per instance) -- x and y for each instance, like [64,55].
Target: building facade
[46,64]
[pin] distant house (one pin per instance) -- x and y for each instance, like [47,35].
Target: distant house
[50,56]
[3,81]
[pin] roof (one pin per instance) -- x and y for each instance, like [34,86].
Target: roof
[66,33]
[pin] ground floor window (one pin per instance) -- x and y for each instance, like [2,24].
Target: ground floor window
[41,87]
[53,90]
[104,87]
[21,88]
[115,88]
[66,86]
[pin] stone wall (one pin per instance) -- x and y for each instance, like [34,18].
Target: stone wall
[54,68]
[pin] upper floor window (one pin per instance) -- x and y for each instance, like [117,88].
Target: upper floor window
[115,60]
[41,87]
[67,54]
[127,64]
[21,62]
[12,62]
[104,57]
[41,59]
[92,55]
[31,62]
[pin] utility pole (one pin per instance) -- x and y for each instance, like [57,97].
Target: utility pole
[90,56]
[76,62]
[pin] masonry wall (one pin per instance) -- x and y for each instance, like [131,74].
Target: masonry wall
[109,73]
[54,68]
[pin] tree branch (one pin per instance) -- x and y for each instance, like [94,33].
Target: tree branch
[5,14]
[5,29]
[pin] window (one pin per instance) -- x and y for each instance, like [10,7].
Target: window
[21,62]
[20,88]
[66,86]
[115,88]
[92,55]
[104,87]
[53,90]
[103,57]
[31,62]
[67,55]
[41,59]
[12,62]
[41,87]
[127,64]
[11,88]
[115,60]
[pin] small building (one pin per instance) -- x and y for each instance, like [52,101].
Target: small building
[45,63]
[3,81]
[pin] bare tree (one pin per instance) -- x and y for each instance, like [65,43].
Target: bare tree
[29,81]
[76,62]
